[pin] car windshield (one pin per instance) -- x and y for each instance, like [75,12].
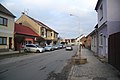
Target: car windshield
[38,46]
[48,46]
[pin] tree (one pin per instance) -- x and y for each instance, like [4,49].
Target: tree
[49,41]
[19,39]
[63,43]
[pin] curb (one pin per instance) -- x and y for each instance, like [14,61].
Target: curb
[10,52]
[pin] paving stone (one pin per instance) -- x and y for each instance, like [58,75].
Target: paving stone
[93,70]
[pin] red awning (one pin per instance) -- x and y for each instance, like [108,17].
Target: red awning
[28,39]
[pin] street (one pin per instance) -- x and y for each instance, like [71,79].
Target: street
[44,66]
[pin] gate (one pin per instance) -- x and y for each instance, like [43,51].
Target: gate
[114,50]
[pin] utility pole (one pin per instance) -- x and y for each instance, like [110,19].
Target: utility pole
[79,59]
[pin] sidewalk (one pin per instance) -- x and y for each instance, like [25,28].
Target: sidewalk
[9,52]
[93,70]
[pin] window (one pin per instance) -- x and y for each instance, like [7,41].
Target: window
[42,31]
[101,39]
[101,12]
[3,40]
[51,34]
[0,40]
[46,33]
[3,21]
[30,46]
[54,35]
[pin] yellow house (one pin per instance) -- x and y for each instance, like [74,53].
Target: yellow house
[6,29]
[52,36]
[41,29]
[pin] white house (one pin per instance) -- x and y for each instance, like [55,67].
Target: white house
[6,29]
[108,23]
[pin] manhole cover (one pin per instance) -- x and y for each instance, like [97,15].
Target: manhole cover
[99,78]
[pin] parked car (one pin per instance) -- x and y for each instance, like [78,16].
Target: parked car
[69,47]
[49,48]
[56,47]
[33,48]
[64,46]
[60,46]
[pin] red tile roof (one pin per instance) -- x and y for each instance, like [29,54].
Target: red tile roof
[21,29]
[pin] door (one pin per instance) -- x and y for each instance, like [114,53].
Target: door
[33,48]
[10,42]
[106,47]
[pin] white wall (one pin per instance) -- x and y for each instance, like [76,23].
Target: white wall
[104,3]
[7,31]
[94,43]
[113,27]
[113,10]
[113,16]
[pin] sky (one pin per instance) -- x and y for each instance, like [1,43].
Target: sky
[70,18]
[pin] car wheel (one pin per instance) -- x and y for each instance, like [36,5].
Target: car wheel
[25,50]
[38,51]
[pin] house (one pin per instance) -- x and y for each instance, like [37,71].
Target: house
[108,29]
[108,23]
[94,40]
[6,29]
[88,42]
[50,36]
[25,34]
[78,39]
[70,41]
[83,41]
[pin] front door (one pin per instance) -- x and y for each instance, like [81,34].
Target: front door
[10,42]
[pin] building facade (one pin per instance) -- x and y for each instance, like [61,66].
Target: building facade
[88,42]
[50,36]
[24,35]
[108,23]
[94,41]
[6,29]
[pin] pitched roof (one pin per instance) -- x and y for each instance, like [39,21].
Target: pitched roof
[21,29]
[5,11]
[40,23]
[97,5]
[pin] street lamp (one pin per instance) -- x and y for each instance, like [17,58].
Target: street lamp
[79,59]
[79,47]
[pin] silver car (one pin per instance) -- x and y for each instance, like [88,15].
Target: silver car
[49,48]
[33,48]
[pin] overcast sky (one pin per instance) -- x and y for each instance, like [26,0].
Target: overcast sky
[56,14]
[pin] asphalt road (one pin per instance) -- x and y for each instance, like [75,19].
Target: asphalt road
[43,66]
